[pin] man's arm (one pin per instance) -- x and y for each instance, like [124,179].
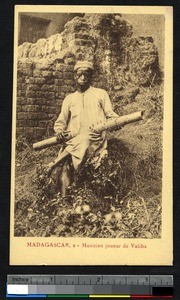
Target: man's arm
[107,106]
[62,121]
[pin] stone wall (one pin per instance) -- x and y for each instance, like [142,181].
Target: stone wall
[42,87]
[45,69]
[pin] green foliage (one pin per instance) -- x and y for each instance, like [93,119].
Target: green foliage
[100,203]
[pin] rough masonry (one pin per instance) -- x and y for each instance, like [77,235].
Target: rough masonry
[123,64]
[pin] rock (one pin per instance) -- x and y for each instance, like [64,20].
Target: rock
[132,92]
[118,87]
[129,93]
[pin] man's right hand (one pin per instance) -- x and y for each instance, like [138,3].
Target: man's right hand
[60,137]
[63,136]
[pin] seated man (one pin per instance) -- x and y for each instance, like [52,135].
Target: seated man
[80,113]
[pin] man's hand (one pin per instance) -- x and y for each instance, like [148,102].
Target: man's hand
[63,136]
[95,135]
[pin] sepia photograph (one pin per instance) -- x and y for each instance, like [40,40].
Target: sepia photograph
[91,118]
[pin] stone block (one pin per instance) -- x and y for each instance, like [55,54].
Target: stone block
[52,116]
[22,123]
[33,87]
[65,89]
[43,124]
[21,93]
[33,116]
[57,89]
[82,36]
[81,42]
[30,101]
[28,71]
[20,72]
[70,68]
[30,80]
[40,101]
[31,131]
[33,123]
[30,94]
[70,82]
[48,103]
[60,96]
[58,82]
[46,87]
[71,89]
[24,108]
[49,80]
[42,116]
[43,65]
[50,95]
[68,75]
[24,86]
[37,73]
[59,67]
[39,81]
[33,108]
[22,115]
[57,74]
[58,103]
[53,110]
[19,86]
[18,108]
[44,108]
[41,94]
[47,73]
[21,101]
[20,131]
[20,79]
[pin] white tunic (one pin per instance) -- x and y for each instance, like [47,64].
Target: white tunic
[80,113]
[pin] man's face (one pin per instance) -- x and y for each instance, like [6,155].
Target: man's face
[83,77]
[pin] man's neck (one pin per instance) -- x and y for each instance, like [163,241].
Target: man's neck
[82,89]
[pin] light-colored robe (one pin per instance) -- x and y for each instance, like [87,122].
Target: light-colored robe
[80,113]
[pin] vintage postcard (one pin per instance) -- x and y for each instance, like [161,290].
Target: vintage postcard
[92,136]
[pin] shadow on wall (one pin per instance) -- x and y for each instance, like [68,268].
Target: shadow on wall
[35,26]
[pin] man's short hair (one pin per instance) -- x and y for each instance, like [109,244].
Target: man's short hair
[83,64]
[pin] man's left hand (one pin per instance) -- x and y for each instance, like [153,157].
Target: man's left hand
[95,135]
[66,135]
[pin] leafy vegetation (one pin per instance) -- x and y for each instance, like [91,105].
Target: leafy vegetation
[112,201]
